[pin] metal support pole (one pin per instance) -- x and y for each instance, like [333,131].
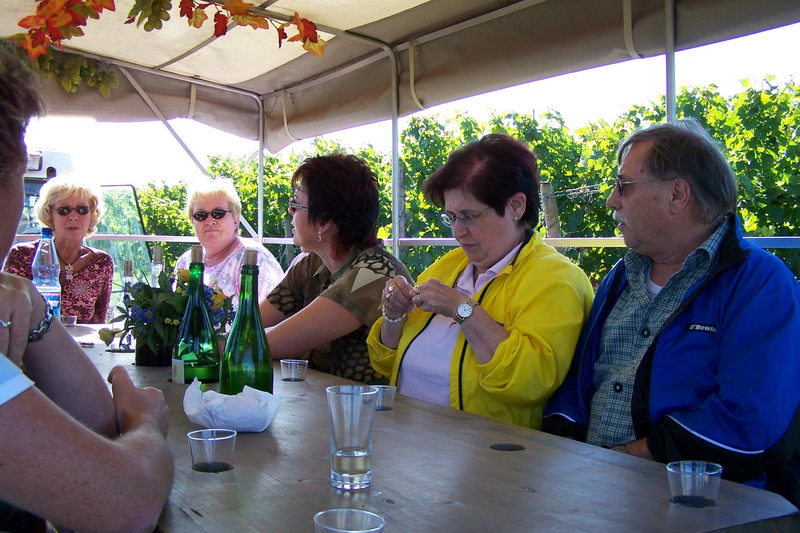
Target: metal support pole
[669,53]
[157,112]
[261,140]
[397,182]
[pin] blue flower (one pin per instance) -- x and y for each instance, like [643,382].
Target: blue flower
[148,315]
[208,293]
[217,316]
[137,286]
[136,313]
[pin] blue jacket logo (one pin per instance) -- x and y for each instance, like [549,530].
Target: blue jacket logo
[702,327]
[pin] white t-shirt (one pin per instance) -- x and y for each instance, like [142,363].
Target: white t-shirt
[228,273]
[12,380]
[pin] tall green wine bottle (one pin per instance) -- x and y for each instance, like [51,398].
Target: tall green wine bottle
[197,354]
[247,359]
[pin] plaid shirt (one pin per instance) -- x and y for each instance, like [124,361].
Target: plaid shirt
[633,322]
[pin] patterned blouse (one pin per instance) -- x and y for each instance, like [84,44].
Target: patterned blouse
[89,292]
[227,274]
[357,287]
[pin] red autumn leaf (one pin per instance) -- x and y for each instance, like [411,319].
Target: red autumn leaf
[55,34]
[315,47]
[237,7]
[220,24]
[281,35]
[34,50]
[100,5]
[187,8]
[32,21]
[48,8]
[309,30]
[61,19]
[77,19]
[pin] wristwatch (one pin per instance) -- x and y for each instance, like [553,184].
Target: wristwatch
[464,311]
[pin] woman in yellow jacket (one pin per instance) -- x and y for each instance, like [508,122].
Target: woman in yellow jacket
[491,327]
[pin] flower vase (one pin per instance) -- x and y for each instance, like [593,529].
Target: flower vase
[147,357]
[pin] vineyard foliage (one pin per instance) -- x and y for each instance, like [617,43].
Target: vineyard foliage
[758,128]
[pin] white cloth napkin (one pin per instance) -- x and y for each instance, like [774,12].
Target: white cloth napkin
[251,410]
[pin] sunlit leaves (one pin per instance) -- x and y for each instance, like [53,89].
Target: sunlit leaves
[55,21]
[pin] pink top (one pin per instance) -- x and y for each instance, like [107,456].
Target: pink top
[425,372]
[227,274]
[89,292]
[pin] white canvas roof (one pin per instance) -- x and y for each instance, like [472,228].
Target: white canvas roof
[461,48]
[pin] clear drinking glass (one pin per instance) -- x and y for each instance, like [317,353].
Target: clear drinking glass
[351,408]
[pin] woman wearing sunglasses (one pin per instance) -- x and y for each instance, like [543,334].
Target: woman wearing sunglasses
[324,307]
[491,326]
[73,211]
[214,209]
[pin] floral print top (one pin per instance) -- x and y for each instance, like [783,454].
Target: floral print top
[86,295]
[227,274]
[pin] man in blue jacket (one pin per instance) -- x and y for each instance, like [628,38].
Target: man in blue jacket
[692,347]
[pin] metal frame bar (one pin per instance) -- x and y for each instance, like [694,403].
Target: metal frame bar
[669,54]
[775,243]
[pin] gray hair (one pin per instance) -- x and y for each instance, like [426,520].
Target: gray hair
[19,101]
[684,149]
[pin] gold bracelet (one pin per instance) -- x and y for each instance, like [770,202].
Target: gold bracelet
[390,319]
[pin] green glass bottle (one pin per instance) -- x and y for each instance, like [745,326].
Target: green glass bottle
[247,359]
[197,354]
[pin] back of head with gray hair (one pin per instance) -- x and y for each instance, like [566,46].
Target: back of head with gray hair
[683,149]
[19,101]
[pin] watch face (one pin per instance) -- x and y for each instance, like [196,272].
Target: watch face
[464,310]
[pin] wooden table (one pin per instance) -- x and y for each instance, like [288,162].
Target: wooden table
[433,472]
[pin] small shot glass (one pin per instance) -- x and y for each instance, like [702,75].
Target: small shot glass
[69,321]
[385,400]
[348,521]
[293,369]
[212,449]
[694,483]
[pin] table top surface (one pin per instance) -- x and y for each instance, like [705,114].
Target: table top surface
[433,472]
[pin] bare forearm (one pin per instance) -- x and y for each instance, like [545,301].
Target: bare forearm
[61,370]
[639,448]
[391,333]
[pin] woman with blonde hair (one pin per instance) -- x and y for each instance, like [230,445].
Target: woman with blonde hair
[214,208]
[72,210]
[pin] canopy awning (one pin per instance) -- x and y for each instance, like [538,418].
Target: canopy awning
[460,48]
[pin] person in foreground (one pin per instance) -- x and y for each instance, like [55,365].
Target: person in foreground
[691,349]
[73,210]
[324,307]
[214,208]
[490,327]
[71,452]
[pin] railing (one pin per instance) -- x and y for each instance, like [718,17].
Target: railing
[560,242]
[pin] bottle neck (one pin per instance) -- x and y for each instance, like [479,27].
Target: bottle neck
[196,278]
[248,293]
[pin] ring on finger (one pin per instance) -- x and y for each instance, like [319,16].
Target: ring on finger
[388,296]
[391,288]
[416,289]
[5,323]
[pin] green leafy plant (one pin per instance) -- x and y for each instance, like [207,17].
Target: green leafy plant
[153,314]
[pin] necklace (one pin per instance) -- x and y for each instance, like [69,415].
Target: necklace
[68,269]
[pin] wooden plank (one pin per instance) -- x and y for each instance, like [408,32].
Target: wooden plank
[433,472]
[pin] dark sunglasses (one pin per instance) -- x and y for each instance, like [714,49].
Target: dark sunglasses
[216,214]
[65,210]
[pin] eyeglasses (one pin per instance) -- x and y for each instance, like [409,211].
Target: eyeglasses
[466,220]
[216,214]
[620,185]
[65,210]
[294,206]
